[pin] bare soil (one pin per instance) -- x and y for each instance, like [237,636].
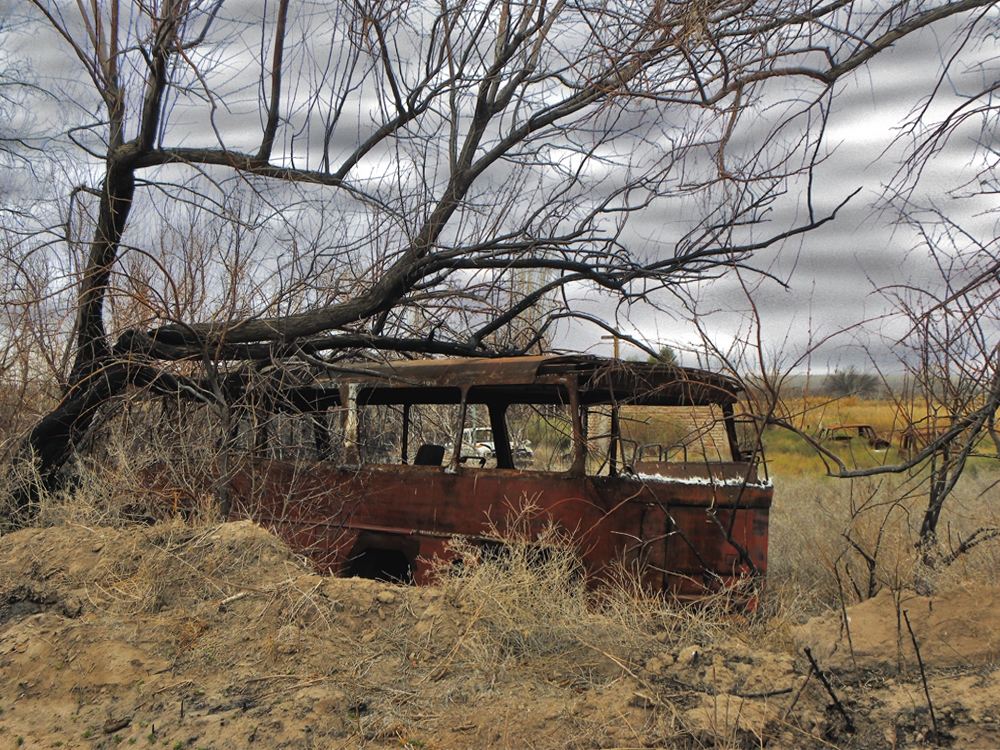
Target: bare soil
[219,637]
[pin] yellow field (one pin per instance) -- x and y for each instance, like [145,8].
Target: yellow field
[845,539]
[789,454]
[887,417]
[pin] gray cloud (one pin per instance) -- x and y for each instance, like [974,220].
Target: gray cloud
[832,274]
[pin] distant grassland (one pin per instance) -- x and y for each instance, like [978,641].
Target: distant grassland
[788,454]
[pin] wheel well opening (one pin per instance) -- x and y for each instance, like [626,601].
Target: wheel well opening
[381,564]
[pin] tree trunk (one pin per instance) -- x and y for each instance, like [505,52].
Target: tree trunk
[91,338]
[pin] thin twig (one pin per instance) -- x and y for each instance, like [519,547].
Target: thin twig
[798,695]
[829,689]
[923,675]
[843,613]
[234,598]
[764,694]
[182,683]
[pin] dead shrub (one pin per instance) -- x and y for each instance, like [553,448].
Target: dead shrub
[524,600]
[526,593]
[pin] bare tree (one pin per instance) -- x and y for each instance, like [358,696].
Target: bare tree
[389,175]
[950,350]
[947,341]
[850,382]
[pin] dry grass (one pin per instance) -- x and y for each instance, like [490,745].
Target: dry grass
[837,541]
[526,599]
[106,482]
[885,416]
[525,602]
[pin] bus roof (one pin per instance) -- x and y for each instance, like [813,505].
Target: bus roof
[530,379]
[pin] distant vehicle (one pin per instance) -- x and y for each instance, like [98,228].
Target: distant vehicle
[921,433]
[477,442]
[480,440]
[845,433]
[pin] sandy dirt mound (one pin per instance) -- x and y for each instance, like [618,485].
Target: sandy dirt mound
[958,629]
[880,652]
[219,637]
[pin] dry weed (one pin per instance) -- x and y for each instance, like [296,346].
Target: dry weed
[526,595]
[836,542]
[524,601]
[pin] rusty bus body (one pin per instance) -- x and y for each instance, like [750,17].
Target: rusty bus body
[387,483]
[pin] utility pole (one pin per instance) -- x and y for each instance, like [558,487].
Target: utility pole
[613,337]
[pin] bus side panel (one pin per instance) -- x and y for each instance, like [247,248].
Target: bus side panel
[321,512]
[662,531]
[705,545]
[690,534]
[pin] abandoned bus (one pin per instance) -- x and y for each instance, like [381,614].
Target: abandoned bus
[371,471]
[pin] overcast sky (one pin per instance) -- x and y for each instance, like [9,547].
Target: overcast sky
[832,274]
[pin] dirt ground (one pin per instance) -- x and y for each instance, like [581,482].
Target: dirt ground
[219,637]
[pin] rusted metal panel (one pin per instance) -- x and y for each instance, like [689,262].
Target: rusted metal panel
[683,527]
[641,382]
[664,526]
[450,372]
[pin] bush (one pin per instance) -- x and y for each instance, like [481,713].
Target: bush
[850,382]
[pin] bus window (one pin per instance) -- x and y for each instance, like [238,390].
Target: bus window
[541,436]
